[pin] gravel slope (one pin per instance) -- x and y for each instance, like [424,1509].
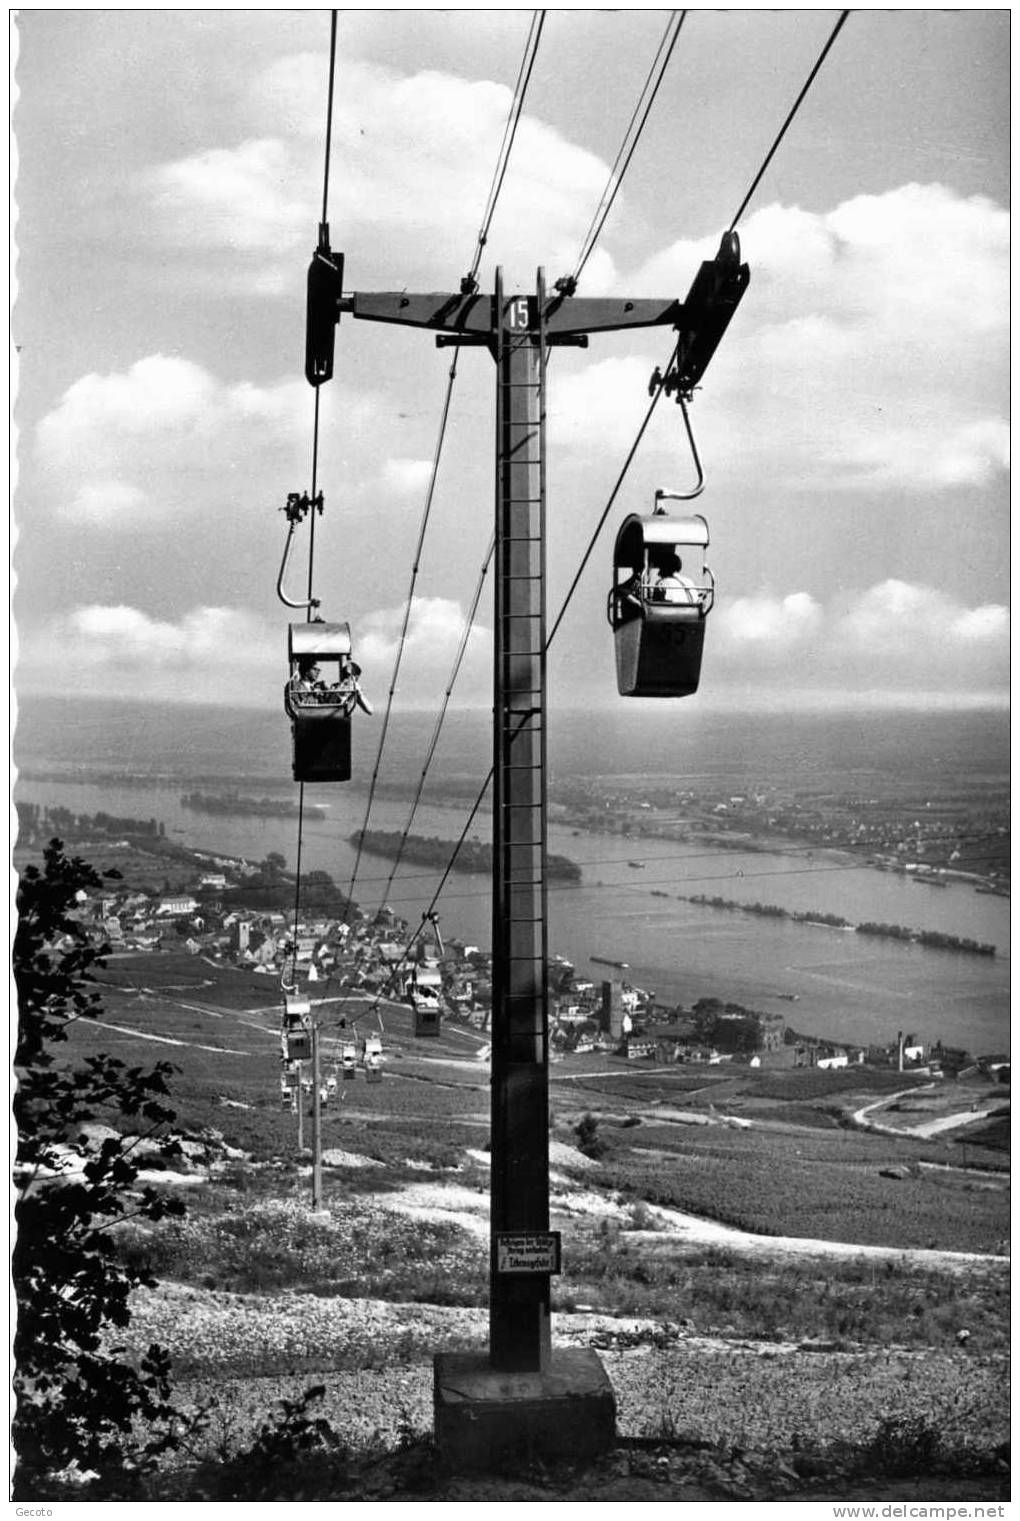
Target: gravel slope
[667,1381]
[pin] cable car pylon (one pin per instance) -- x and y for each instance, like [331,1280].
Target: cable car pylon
[490,1405]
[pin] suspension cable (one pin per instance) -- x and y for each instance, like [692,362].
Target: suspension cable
[675,355]
[520,90]
[509,133]
[660,387]
[591,237]
[793,111]
[625,153]
[619,482]
[408,607]
[586,252]
[433,742]
[310,613]
[329,118]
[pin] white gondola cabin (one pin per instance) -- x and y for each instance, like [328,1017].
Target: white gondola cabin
[319,698]
[373,1058]
[662,593]
[349,1059]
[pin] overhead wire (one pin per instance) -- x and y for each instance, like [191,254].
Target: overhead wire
[468,284]
[315,472]
[792,113]
[650,89]
[509,134]
[441,717]
[587,554]
[402,641]
[664,374]
[676,351]
[616,174]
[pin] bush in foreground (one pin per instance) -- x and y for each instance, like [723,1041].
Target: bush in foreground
[77,1399]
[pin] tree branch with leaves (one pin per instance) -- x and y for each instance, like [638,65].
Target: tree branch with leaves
[78,1402]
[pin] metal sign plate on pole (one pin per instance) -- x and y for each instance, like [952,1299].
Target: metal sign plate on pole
[527,1252]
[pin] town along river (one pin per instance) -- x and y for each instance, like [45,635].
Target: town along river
[827,982]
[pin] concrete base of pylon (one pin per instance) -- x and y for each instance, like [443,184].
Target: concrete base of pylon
[487,1419]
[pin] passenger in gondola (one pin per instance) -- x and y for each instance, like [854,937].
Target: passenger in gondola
[671,585]
[306,685]
[347,691]
[635,589]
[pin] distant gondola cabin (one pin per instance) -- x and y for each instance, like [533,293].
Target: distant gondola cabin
[661,596]
[297,1036]
[299,1045]
[427,1019]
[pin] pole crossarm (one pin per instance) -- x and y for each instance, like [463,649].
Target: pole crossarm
[444,311]
[447,312]
[700,319]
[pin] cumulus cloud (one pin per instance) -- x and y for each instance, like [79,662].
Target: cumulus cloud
[895,636]
[135,442]
[241,198]
[106,635]
[435,630]
[772,623]
[415,187]
[210,654]
[870,351]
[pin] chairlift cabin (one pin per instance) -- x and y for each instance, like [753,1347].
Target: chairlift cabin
[349,1059]
[373,1058]
[297,1013]
[319,704]
[657,608]
[299,1045]
[427,1019]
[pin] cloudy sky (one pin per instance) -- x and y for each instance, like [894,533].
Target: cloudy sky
[853,425]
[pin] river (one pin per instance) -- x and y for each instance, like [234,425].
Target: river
[827,982]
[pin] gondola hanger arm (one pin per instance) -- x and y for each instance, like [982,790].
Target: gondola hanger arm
[663,495]
[298,505]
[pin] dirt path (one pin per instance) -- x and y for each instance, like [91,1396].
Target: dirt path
[922,1132]
[167,1040]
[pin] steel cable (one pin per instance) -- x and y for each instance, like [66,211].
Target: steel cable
[315,473]
[499,174]
[614,182]
[586,252]
[793,111]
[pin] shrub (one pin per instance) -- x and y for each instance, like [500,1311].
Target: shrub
[294,1456]
[77,1399]
[902,1445]
[589,1142]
